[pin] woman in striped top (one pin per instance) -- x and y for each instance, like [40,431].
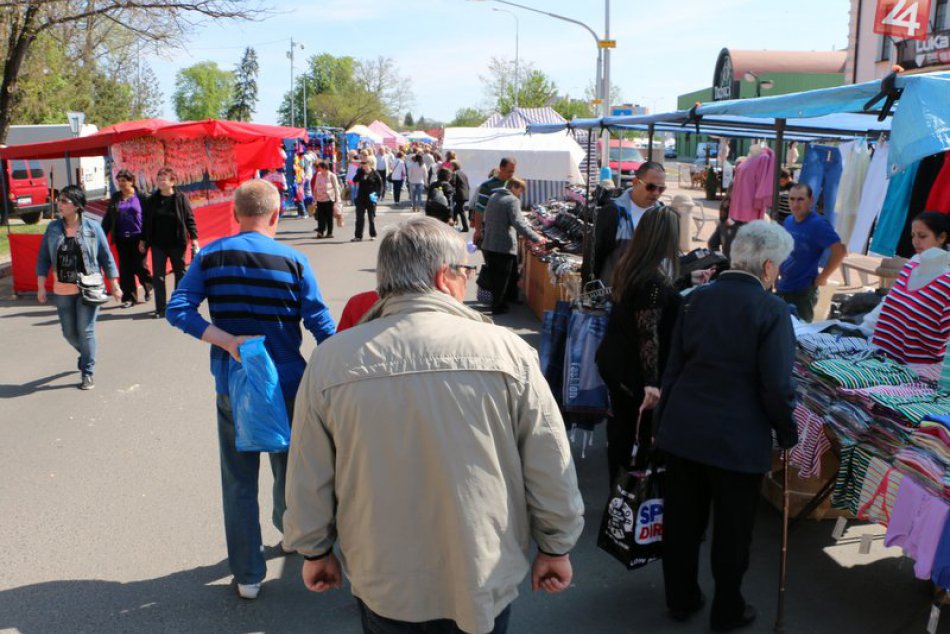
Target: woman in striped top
[914,320]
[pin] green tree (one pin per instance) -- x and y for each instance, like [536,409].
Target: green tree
[202,91]
[535,89]
[408,121]
[343,91]
[244,95]
[468,118]
[570,108]
[97,30]
[147,99]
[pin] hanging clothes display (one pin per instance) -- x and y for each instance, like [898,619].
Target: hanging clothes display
[927,174]
[872,200]
[821,170]
[939,199]
[852,185]
[894,211]
[752,187]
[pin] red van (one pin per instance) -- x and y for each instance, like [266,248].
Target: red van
[625,158]
[27,189]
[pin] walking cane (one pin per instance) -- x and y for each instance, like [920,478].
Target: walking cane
[783,560]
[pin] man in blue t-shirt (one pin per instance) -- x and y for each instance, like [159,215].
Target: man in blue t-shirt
[254,286]
[799,278]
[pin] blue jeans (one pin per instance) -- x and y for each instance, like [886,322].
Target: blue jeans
[416,192]
[239,473]
[821,170]
[78,321]
[376,624]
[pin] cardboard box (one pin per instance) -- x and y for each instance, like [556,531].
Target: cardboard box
[803,490]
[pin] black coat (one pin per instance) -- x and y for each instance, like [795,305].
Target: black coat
[187,228]
[605,235]
[728,380]
[368,182]
[460,183]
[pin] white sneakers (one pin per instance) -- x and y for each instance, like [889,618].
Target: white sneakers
[248,591]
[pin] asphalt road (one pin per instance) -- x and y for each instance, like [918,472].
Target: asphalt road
[110,511]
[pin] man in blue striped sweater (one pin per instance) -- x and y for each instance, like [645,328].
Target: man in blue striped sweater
[254,286]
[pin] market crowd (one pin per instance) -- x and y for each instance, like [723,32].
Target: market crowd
[428,460]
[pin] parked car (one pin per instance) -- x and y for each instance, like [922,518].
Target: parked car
[624,160]
[26,188]
[670,152]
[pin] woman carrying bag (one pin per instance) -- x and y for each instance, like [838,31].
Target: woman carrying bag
[632,356]
[76,249]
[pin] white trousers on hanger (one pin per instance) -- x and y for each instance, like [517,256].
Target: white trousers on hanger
[852,183]
[872,200]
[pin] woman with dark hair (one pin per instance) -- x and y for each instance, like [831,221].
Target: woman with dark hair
[74,245]
[327,193]
[418,176]
[398,176]
[123,220]
[912,324]
[169,226]
[633,353]
[367,182]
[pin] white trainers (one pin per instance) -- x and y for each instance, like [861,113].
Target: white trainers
[249,590]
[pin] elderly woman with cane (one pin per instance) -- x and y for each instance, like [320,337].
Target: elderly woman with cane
[727,387]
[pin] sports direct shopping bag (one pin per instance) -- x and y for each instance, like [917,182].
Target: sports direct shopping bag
[260,415]
[632,526]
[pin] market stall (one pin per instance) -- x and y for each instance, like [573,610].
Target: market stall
[547,163]
[874,431]
[391,138]
[211,158]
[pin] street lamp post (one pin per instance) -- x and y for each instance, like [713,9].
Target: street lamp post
[305,102]
[601,83]
[293,97]
[517,29]
[759,83]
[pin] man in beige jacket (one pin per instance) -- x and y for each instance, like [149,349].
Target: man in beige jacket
[427,443]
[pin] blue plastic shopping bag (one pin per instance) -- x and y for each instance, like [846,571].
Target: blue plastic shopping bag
[260,415]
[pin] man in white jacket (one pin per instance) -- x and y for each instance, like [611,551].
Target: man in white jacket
[427,444]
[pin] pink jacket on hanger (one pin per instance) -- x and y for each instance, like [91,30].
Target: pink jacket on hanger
[752,188]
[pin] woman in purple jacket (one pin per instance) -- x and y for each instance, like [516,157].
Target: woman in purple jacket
[123,220]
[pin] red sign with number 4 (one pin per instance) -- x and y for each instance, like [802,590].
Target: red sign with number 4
[903,19]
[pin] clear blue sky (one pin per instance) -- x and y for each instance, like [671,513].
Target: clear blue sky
[663,48]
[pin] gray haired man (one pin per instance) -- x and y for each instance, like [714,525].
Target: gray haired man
[427,442]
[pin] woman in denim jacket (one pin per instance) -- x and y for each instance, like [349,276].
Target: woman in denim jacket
[69,243]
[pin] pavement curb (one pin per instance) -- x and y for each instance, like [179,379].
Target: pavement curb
[6,269]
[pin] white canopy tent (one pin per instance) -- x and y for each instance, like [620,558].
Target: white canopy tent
[546,161]
[553,157]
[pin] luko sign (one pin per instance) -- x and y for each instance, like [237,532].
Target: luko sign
[723,82]
[905,19]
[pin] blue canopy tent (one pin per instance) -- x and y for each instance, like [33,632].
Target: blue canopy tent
[913,109]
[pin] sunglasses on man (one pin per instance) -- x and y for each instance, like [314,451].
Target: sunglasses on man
[653,187]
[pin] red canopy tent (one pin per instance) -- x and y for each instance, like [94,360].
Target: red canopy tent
[256,147]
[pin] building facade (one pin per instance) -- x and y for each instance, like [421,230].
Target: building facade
[741,74]
[871,56]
